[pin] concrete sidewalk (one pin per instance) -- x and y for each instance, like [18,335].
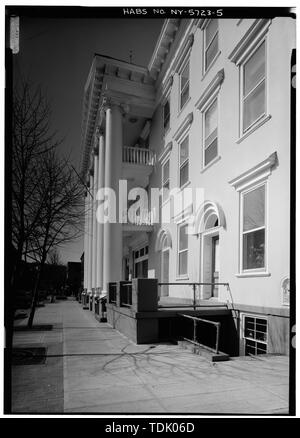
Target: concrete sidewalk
[92,368]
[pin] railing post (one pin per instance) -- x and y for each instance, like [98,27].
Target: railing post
[194,295]
[195,330]
[217,338]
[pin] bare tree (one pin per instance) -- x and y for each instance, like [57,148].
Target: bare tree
[60,193]
[54,257]
[32,137]
[47,194]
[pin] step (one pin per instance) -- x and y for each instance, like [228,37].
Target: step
[204,351]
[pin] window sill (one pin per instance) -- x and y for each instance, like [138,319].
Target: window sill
[211,65]
[181,109]
[215,160]
[253,274]
[257,125]
[185,185]
[183,277]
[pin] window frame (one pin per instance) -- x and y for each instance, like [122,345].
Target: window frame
[186,161]
[180,251]
[185,62]
[243,192]
[242,97]
[165,101]
[214,98]
[163,181]
[140,258]
[243,326]
[207,67]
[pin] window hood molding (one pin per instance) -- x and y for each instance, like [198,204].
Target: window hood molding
[256,173]
[255,33]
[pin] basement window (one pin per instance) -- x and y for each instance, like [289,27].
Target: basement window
[255,335]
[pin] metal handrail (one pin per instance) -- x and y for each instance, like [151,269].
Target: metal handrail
[196,319]
[194,305]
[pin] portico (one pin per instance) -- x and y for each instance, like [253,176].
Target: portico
[118,106]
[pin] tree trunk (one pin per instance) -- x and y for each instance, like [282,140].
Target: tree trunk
[35,294]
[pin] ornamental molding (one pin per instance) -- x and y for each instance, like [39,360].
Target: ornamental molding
[165,153]
[184,126]
[210,90]
[255,174]
[254,34]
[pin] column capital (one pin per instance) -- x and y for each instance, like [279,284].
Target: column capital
[99,131]
[110,102]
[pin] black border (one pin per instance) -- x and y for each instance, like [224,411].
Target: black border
[65,12]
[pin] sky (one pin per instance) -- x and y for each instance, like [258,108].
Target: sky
[57,55]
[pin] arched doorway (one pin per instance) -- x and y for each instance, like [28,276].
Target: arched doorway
[163,246]
[165,260]
[210,220]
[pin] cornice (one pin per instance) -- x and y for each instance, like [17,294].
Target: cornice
[255,33]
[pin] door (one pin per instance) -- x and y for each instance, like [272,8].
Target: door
[165,272]
[215,265]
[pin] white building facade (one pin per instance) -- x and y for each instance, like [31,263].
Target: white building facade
[211,111]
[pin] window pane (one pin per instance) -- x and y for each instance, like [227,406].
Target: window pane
[250,348]
[254,106]
[166,115]
[254,250]
[184,150]
[166,171]
[183,238]
[184,76]
[254,69]
[184,96]
[183,263]
[211,138]
[261,348]
[145,269]
[211,152]
[166,191]
[210,30]
[211,119]
[211,52]
[254,209]
[184,174]
[249,327]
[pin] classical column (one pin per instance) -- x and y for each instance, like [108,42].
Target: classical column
[90,234]
[85,244]
[94,237]
[100,226]
[112,257]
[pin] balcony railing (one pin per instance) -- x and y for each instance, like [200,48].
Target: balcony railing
[145,217]
[136,155]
